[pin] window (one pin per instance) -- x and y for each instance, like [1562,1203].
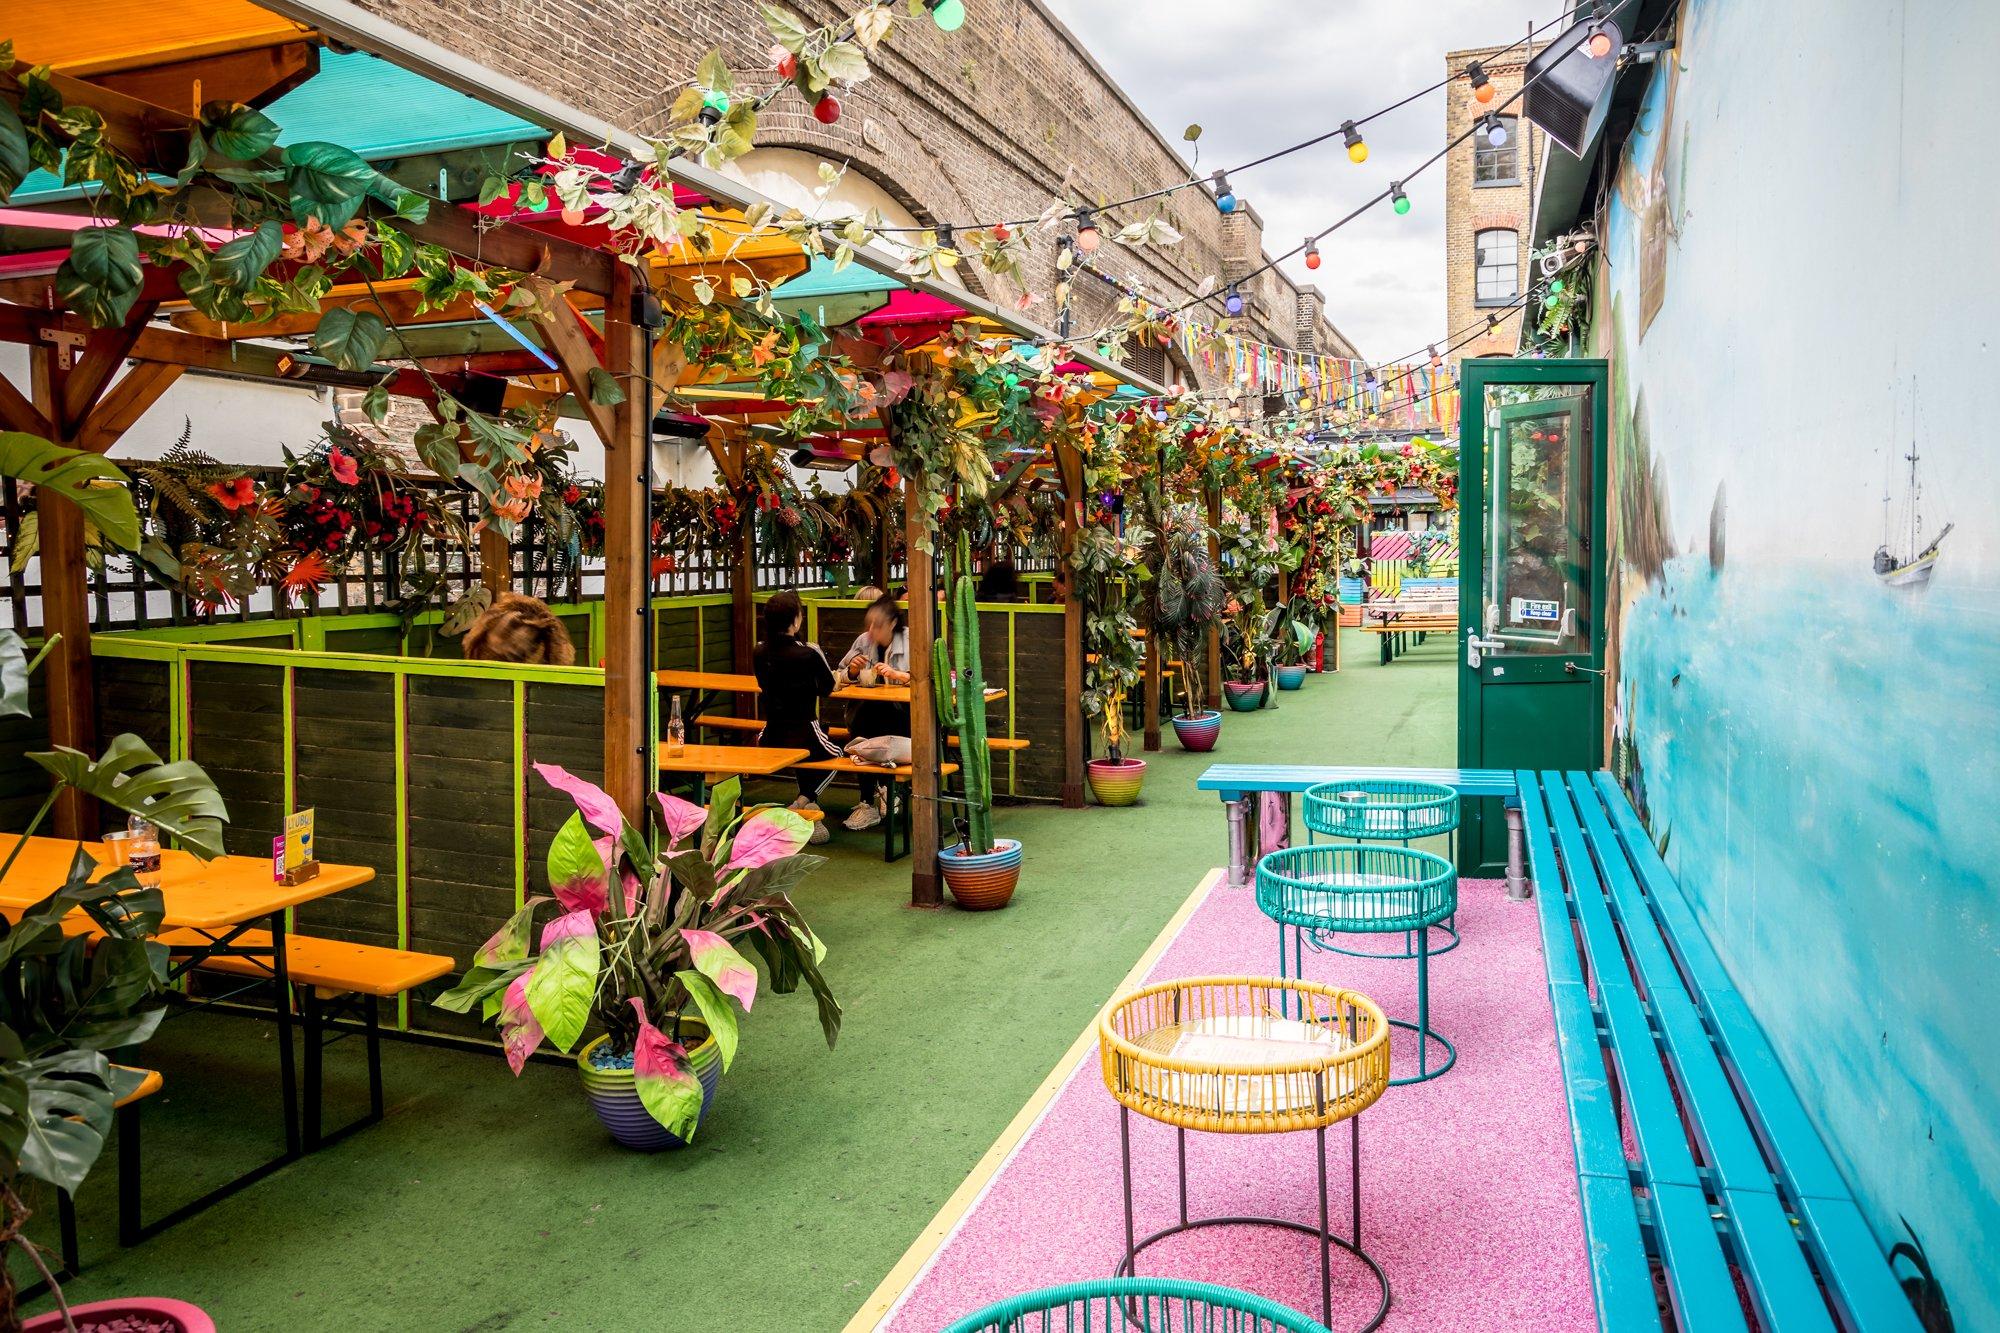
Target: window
[1495,164]
[1496,267]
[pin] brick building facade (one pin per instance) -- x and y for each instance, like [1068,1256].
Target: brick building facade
[1488,197]
[984,123]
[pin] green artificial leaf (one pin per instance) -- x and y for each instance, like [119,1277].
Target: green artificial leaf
[787,29]
[466,608]
[101,278]
[478,985]
[15,670]
[375,402]
[713,73]
[844,60]
[716,1011]
[66,1114]
[605,390]
[89,481]
[351,339]
[179,797]
[1191,133]
[15,163]
[562,985]
[239,263]
[572,854]
[327,182]
[722,800]
[394,251]
[237,131]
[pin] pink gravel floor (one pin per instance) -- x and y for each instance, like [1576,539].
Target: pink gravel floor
[1469,1196]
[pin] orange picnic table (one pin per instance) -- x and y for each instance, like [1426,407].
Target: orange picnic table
[228,907]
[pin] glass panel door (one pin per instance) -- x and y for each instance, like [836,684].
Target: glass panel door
[1535,597]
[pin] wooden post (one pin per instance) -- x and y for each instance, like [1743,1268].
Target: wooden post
[924,889]
[496,561]
[1152,684]
[882,554]
[65,607]
[1069,467]
[743,586]
[1214,699]
[628,681]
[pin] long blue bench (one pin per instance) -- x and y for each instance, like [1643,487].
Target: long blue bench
[1240,784]
[1731,1174]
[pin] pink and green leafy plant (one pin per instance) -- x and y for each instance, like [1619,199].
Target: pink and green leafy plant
[642,935]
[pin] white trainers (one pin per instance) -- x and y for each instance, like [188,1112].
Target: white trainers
[862,817]
[820,832]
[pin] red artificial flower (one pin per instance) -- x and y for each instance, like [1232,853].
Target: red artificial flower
[344,470]
[309,572]
[571,495]
[233,495]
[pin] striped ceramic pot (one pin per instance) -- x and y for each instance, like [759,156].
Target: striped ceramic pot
[986,882]
[1116,782]
[1199,731]
[1290,677]
[1245,696]
[615,1098]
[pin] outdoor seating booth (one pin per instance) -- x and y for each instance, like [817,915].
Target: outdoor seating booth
[418,763]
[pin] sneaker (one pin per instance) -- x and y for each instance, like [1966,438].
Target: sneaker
[805,803]
[862,817]
[820,832]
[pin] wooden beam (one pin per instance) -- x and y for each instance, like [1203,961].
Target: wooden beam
[1152,678]
[152,136]
[924,886]
[1214,682]
[255,77]
[104,351]
[630,767]
[18,412]
[125,403]
[1069,468]
[743,574]
[562,333]
[65,611]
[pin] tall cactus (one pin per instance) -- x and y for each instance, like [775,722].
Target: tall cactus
[961,701]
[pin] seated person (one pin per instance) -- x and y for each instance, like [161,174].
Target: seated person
[518,628]
[792,676]
[1000,583]
[884,644]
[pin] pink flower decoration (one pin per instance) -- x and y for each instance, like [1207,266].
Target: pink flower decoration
[344,470]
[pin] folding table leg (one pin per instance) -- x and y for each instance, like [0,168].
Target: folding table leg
[315,1055]
[374,1022]
[130,1199]
[66,1220]
[287,1074]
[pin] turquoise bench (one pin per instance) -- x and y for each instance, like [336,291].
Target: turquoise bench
[1239,785]
[1730,1171]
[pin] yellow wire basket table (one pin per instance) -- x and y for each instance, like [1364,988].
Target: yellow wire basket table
[1248,1055]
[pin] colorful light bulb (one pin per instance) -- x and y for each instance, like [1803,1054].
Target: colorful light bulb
[949,15]
[1088,237]
[1397,199]
[1312,253]
[1225,198]
[827,110]
[1357,147]
[1496,132]
[1233,302]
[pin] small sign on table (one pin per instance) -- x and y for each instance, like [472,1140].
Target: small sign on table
[292,857]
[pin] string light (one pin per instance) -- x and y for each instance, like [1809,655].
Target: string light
[1088,237]
[1357,147]
[1482,87]
[1233,301]
[714,107]
[1496,133]
[1397,199]
[827,110]
[1225,198]
[947,14]
[1312,253]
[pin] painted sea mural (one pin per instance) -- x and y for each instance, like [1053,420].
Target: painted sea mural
[1808,700]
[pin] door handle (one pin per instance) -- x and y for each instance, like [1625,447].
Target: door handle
[1476,646]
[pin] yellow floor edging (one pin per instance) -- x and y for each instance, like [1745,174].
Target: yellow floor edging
[931,1239]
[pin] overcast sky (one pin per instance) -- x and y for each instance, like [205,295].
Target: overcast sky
[1260,74]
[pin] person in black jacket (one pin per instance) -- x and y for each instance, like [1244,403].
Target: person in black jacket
[792,677]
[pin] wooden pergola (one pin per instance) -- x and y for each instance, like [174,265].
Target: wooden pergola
[592,319]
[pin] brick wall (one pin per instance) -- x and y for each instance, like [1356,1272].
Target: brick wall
[988,121]
[1470,209]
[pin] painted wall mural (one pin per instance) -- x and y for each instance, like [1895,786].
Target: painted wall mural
[1797,295]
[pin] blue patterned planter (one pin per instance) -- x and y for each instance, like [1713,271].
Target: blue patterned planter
[1290,677]
[1199,732]
[982,883]
[1245,696]
[615,1098]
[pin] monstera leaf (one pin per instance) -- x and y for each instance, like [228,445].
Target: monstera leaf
[91,483]
[15,668]
[179,797]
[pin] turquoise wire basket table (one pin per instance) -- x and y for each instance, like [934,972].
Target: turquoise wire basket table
[1145,1304]
[1329,889]
[1398,810]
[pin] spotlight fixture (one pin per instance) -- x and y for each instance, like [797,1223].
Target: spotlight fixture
[1568,91]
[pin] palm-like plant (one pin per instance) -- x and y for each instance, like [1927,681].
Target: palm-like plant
[1190,597]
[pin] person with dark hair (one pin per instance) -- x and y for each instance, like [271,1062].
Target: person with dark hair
[880,655]
[518,628]
[1001,582]
[792,677]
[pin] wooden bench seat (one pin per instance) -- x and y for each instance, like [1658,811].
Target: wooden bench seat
[724,722]
[1396,625]
[992,742]
[1731,1180]
[129,1086]
[897,817]
[329,976]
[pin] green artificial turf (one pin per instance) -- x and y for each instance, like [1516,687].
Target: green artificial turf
[487,1202]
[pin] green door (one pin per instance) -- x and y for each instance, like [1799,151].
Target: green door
[1531,578]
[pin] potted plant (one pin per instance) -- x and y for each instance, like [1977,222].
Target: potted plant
[1289,637]
[1245,685]
[641,945]
[1115,779]
[1188,599]
[981,871]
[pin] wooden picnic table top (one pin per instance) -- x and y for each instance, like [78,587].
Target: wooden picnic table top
[208,896]
[891,694]
[748,760]
[726,682]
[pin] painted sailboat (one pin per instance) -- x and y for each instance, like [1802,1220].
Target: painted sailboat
[1911,567]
